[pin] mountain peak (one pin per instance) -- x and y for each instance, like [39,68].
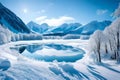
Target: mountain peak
[31,22]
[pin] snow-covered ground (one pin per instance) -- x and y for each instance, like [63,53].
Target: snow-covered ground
[19,67]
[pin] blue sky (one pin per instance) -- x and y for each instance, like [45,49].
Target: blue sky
[56,12]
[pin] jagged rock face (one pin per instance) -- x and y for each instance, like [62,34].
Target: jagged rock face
[11,21]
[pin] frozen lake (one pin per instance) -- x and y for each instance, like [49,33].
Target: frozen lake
[52,51]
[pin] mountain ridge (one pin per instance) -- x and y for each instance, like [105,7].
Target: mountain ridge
[73,28]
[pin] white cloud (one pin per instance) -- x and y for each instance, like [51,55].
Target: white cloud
[41,18]
[101,11]
[54,21]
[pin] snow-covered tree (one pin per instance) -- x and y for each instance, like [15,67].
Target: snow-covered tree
[109,39]
[5,35]
[96,41]
[113,33]
[23,36]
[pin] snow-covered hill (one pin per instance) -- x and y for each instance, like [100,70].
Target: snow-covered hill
[9,20]
[37,28]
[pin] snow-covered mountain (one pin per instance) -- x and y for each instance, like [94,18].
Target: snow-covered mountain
[63,29]
[72,28]
[75,30]
[9,20]
[91,27]
[37,28]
